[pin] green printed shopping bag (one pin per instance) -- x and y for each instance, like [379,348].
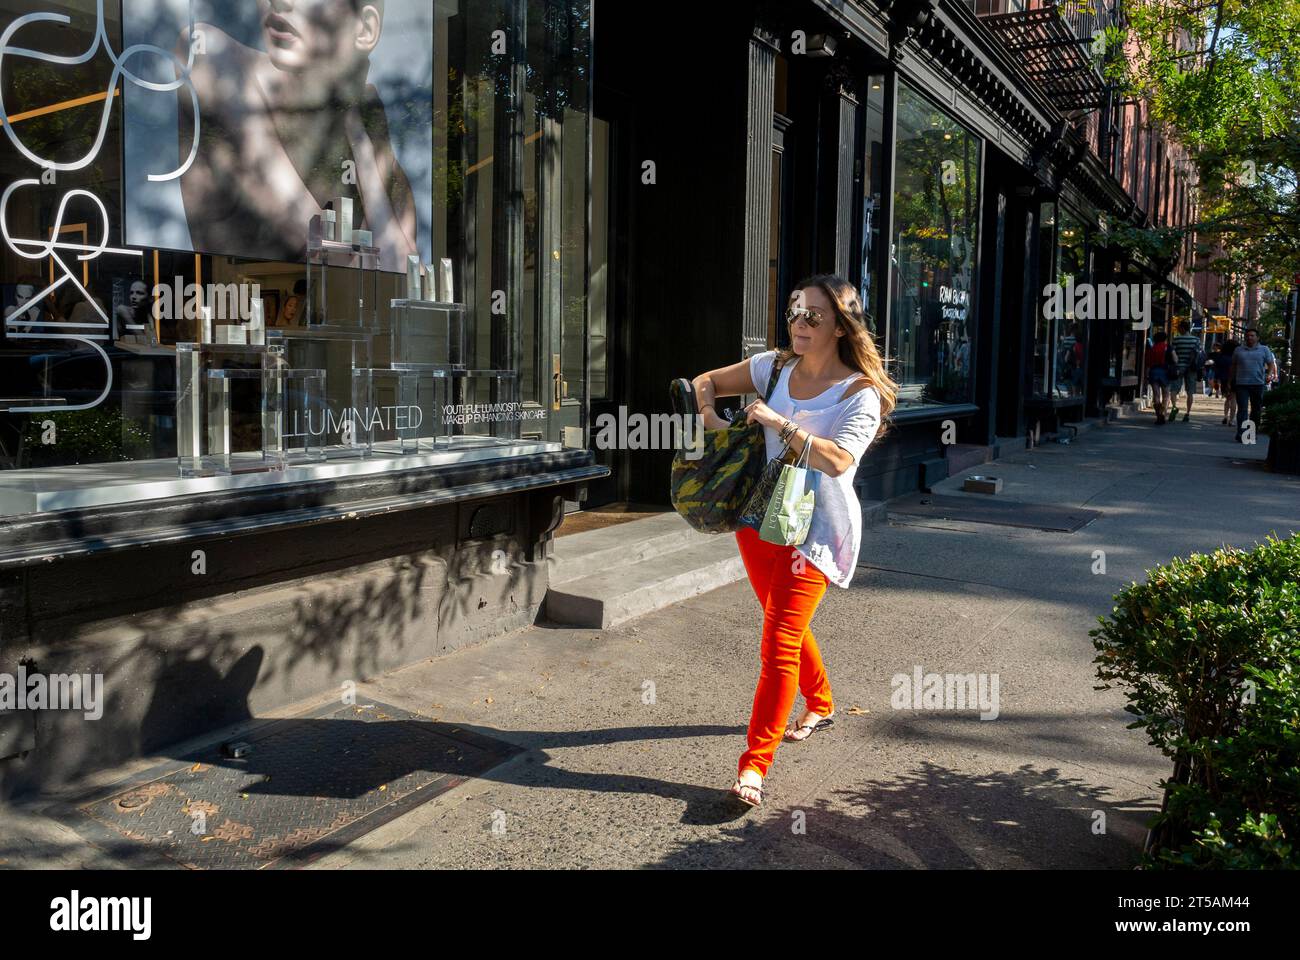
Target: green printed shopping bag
[790,508]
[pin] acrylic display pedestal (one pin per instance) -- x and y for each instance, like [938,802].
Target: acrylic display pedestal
[364,262]
[432,406]
[305,416]
[484,409]
[223,393]
[400,407]
[418,392]
[337,351]
[325,346]
[428,332]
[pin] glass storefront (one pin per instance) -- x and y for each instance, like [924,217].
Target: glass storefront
[1046,251]
[1060,338]
[1071,339]
[873,189]
[933,253]
[369,220]
[1125,347]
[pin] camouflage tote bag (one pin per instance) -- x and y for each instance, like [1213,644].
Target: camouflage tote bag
[711,483]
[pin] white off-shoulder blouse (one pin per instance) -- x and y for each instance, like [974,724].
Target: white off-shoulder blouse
[835,535]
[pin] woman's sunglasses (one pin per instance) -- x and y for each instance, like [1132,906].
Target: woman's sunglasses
[810,317]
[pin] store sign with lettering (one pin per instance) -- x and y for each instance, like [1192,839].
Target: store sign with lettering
[377,421]
[87,323]
[955,303]
[462,414]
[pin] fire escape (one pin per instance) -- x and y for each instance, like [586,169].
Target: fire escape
[1061,48]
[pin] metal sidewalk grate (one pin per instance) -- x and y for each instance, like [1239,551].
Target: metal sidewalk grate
[309,785]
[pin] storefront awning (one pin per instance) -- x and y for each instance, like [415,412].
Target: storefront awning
[1053,54]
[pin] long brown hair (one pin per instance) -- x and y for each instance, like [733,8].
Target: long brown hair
[857,347]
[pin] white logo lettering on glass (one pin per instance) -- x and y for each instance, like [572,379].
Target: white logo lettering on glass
[88,330]
[119,70]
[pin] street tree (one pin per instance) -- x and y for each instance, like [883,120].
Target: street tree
[1224,77]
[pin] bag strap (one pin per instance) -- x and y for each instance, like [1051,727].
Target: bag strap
[771,381]
[804,458]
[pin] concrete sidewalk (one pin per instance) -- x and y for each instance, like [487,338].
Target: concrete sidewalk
[609,780]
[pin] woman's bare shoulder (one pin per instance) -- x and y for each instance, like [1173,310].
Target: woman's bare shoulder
[857,386]
[861,385]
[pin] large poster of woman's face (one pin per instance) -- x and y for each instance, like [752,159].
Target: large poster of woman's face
[295,103]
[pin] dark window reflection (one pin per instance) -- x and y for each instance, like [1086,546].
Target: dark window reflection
[936,212]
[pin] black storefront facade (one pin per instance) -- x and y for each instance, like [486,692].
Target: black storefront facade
[904,146]
[619,197]
[224,503]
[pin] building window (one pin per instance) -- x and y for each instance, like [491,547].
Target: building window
[933,254]
[1060,338]
[221,193]
[1125,346]
[873,206]
[1070,336]
[1043,325]
[1141,145]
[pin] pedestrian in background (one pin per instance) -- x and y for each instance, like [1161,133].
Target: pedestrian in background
[1147,392]
[1158,375]
[1215,372]
[1187,348]
[1253,368]
[1223,366]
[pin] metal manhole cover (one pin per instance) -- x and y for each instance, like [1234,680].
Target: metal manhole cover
[307,786]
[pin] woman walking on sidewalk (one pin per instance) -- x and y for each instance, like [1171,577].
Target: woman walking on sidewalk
[1158,374]
[1224,366]
[831,396]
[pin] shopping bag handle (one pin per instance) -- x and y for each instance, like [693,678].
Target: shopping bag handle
[803,458]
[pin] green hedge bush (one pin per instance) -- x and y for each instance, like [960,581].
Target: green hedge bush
[1281,419]
[1288,392]
[1281,413]
[1208,650]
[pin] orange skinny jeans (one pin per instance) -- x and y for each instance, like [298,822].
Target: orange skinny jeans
[790,658]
